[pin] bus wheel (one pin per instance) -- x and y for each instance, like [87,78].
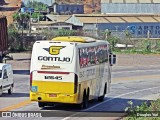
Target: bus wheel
[41,104]
[101,98]
[85,100]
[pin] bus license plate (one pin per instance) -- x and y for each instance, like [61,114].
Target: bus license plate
[52,95]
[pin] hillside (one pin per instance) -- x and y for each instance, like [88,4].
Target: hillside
[8,7]
[92,6]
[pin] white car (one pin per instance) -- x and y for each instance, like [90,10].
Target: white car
[6,78]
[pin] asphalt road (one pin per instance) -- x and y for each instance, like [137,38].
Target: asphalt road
[132,82]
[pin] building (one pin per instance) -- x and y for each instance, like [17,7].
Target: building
[46,25]
[90,6]
[54,22]
[66,9]
[139,25]
[130,6]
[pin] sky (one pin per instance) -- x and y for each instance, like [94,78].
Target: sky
[48,2]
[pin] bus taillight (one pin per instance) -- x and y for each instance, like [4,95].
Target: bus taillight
[75,83]
[30,79]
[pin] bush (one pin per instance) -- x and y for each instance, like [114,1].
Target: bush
[133,111]
[113,41]
[56,33]
[14,39]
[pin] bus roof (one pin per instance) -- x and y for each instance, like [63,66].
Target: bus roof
[80,39]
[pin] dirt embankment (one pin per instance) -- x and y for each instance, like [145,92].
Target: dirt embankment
[8,7]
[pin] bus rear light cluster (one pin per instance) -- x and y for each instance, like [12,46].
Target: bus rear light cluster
[75,83]
[31,79]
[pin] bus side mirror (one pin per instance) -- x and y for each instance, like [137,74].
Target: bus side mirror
[112,59]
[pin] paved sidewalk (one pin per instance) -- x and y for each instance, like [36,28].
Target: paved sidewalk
[21,61]
[137,60]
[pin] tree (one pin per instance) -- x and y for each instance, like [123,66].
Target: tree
[128,36]
[113,41]
[55,33]
[36,5]
[22,20]
[13,38]
[37,16]
[22,5]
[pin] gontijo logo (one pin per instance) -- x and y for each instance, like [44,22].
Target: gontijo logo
[54,50]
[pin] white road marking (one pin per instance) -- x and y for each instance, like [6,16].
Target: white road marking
[66,118]
[134,71]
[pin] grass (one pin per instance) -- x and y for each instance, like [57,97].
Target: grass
[144,111]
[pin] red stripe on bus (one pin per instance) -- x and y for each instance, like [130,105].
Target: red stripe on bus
[48,72]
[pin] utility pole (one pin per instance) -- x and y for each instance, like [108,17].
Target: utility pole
[38,24]
[96,27]
[116,30]
[30,24]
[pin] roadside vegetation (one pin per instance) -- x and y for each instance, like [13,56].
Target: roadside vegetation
[145,111]
[144,46]
[36,5]
[133,45]
[14,39]
[139,46]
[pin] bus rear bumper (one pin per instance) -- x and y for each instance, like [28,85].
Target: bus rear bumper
[51,97]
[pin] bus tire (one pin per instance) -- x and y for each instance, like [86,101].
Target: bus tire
[101,98]
[41,104]
[84,103]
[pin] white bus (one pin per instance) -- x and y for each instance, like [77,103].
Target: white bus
[72,69]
